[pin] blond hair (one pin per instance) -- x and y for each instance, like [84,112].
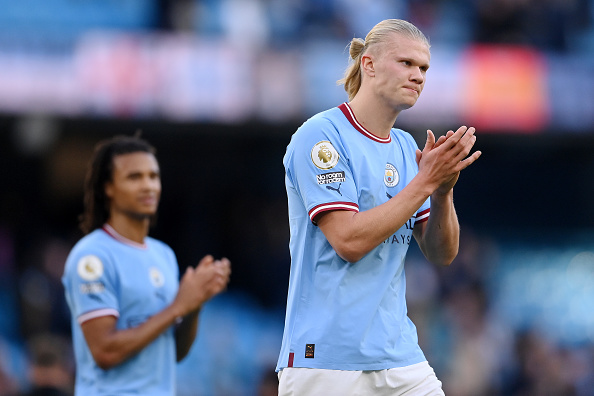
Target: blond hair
[378,34]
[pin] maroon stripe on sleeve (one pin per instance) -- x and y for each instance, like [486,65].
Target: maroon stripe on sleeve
[422,216]
[313,212]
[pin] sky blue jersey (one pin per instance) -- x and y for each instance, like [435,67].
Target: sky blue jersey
[107,274]
[341,315]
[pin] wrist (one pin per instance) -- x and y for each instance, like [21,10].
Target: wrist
[442,197]
[177,311]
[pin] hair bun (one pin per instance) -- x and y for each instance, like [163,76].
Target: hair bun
[356,47]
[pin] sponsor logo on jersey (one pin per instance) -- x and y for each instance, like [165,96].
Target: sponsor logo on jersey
[324,155]
[335,188]
[391,177]
[90,268]
[157,278]
[332,177]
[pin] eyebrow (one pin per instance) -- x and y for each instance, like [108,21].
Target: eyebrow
[414,62]
[140,172]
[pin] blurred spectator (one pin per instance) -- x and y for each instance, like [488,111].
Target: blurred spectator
[479,346]
[9,316]
[544,369]
[42,300]
[51,370]
[8,386]
[12,367]
[543,24]
[269,383]
[584,378]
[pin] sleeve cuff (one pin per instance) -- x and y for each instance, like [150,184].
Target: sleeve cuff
[97,314]
[325,207]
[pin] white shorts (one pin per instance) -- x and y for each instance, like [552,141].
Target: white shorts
[415,380]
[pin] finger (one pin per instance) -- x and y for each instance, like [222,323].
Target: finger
[430,142]
[206,260]
[470,133]
[466,146]
[455,137]
[440,141]
[462,149]
[224,271]
[225,264]
[189,272]
[418,154]
[469,161]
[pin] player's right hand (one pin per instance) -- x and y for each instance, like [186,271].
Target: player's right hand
[441,161]
[200,284]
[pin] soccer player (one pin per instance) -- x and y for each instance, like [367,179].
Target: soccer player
[131,316]
[358,190]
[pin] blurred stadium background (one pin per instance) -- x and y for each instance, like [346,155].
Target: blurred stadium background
[219,86]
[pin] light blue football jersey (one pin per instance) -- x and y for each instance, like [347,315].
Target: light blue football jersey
[106,274]
[341,315]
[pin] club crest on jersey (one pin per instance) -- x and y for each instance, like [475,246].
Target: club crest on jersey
[391,176]
[324,155]
[90,268]
[157,278]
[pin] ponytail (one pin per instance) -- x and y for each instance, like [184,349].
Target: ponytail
[352,76]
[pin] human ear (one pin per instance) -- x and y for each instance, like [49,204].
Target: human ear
[367,65]
[108,190]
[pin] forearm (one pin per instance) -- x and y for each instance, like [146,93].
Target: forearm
[185,334]
[354,235]
[440,239]
[110,346]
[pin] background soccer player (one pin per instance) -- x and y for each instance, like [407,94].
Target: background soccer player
[358,190]
[131,318]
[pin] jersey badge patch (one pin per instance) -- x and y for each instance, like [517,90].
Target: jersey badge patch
[324,155]
[90,268]
[156,276]
[92,288]
[391,176]
[332,177]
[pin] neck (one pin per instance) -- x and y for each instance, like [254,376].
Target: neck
[373,114]
[133,229]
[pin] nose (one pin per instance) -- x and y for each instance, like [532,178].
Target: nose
[151,183]
[417,75]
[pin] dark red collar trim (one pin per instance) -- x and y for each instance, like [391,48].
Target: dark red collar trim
[348,113]
[109,230]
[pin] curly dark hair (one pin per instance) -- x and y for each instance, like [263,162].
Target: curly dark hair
[99,172]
